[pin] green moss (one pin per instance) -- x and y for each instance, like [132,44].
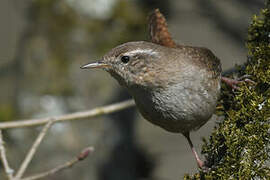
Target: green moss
[239,148]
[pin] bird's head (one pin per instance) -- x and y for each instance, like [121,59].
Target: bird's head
[132,63]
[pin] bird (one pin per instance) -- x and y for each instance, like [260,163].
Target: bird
[176,89]
[175,86]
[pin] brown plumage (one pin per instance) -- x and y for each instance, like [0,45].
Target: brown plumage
[174,86]
[159,34]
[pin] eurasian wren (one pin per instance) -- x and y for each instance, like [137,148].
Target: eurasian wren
[174,88]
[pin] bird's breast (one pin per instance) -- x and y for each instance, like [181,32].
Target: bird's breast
[178,108]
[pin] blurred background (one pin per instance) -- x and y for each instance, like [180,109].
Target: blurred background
[43,44]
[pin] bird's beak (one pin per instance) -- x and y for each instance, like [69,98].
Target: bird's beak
[95,65]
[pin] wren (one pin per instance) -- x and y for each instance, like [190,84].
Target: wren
[174,88]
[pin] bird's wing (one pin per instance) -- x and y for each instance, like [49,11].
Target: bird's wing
[205,57]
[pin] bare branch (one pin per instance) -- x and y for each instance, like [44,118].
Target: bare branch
[9,172]
[84,154]
[73,116]
[33,150]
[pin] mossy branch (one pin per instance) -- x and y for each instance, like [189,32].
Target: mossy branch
[239,147]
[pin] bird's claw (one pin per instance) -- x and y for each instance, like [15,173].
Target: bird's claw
[246,79]
[202,165]
[233,83]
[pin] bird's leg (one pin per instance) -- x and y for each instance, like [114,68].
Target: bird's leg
[234,82]
[199,161]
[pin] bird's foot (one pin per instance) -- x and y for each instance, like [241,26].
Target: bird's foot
[202,165]
[233,83]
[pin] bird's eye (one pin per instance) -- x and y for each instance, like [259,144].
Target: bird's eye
[125,59]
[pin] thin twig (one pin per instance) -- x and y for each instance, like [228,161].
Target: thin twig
[33,150]
[73,116]
[67,165]
[9,172]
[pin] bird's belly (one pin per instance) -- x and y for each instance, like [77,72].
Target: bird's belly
[178,110]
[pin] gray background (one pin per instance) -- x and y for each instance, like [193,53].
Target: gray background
[218,25]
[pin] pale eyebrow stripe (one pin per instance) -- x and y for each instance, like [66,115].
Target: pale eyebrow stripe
[142,51]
